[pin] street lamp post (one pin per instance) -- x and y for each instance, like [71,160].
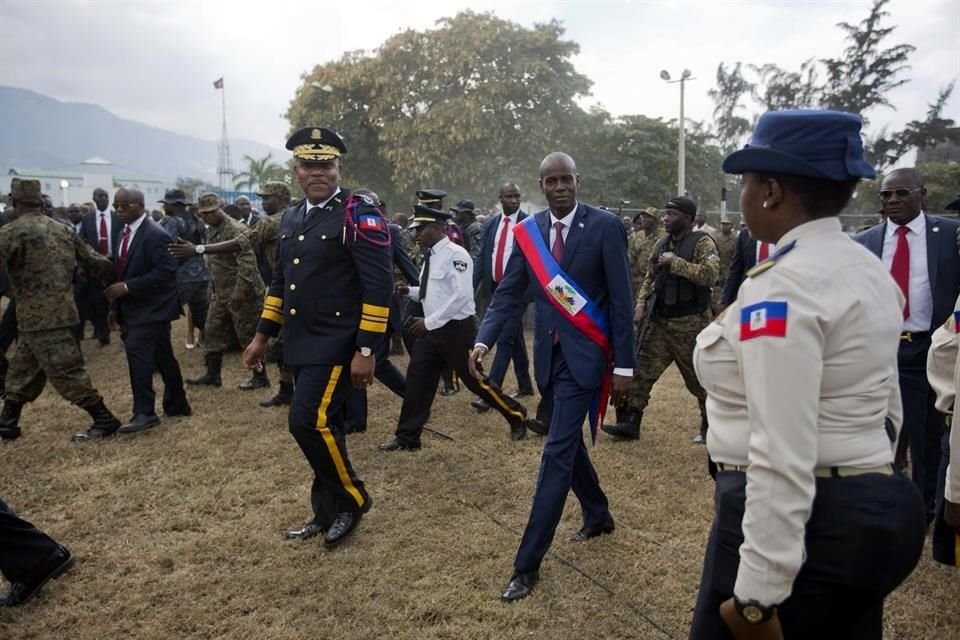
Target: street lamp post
[64,191]
[681,144]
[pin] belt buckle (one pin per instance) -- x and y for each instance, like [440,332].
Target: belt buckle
[907,335]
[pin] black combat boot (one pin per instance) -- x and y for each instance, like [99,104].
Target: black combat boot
[259,380]
[212,376]
[104,423]
[628,425]
[701,438]
[10,420]
[284,396]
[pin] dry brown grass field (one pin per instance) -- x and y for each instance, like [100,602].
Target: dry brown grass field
[178,530]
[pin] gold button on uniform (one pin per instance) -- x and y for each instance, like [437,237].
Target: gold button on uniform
[293,312]
[293,287]
[296,261]
[300,238]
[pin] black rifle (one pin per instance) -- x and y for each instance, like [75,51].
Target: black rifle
[651,303]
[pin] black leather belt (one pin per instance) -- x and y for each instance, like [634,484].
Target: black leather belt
[910,336]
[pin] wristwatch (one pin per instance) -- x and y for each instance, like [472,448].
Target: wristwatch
[752,611]
[366,352]
[200,248]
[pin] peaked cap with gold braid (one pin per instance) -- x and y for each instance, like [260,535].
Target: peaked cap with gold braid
[316,144]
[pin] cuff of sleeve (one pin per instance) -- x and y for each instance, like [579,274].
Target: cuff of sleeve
[414,293]
[952,490]
[480,344]
[268,328]
[431,323]
[623,371]
[760,586]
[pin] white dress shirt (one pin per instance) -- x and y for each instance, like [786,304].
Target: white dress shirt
[508,241]
[310,205]
[920,297]
[133,232]
[943,372]
[450,292]
[814,397]
[108,218]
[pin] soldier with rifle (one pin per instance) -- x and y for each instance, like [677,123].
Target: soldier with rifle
[673,306]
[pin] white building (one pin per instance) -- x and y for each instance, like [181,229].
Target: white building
[75,183]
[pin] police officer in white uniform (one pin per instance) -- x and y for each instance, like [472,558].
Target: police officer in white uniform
[814,527]
[446,333]
[943,372]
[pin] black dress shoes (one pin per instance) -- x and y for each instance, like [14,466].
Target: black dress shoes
[396,445]
[309,530]
[447,391]
[592,532]
[56,564]
[539,427]
[140,422]
[480,405]
[345,524]
[521,585]
[93,433]
[182,410]
[518,431]
[9,433]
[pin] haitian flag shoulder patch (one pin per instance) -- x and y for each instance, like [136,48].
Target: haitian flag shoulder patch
[371,221]
[767,318]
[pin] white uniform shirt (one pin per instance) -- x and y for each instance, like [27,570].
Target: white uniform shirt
[815,396]
[920,298]
[943,371]
[450,292]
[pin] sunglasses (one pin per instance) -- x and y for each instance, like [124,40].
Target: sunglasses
[901,193]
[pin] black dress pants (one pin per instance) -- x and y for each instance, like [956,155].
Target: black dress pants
[22,546]
[863,539]
[446,348]
[148,349]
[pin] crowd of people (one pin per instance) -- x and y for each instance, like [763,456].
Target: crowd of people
[823,366]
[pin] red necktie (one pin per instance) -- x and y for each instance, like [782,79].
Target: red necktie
[557,252]
[764,251]
[104,248]
[900,267]
[123,250]
[501,247]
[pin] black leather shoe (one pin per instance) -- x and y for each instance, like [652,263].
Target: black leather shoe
[309,530]
[93,433]
[480,405]
[539,427]
[522,393]
[140,422]
[56,564]
[521,585]
[518,432]
[344,525]
[592,532]
[447,391]
[9,433]
[396,445]
[183,410]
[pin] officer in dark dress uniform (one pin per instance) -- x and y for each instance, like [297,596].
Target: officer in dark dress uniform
[330,294]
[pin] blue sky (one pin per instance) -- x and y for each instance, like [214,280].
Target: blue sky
[155,61]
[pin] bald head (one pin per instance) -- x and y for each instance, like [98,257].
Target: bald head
[559,182]
[558,159]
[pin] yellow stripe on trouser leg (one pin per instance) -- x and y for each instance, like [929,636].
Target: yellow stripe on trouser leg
[330,441]
[500,401]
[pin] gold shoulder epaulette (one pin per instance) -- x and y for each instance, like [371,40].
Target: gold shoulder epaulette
[768,264]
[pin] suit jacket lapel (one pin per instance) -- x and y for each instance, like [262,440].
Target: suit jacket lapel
[314,219]
[543,223]
[933,252]
[875,240]
[577,229]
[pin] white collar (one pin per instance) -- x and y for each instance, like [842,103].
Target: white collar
[136,223]
[917,225]
[310,205]
[567,220]
[441,243]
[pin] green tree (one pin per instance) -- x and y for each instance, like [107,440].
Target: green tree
[259,171]
[731,124]
[472,102]
[942,180]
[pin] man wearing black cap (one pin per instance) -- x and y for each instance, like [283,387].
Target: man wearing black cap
[471,230]
[330,295]
[193,276]
[446,332]
[676,290]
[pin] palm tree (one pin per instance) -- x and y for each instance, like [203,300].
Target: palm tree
[258,173]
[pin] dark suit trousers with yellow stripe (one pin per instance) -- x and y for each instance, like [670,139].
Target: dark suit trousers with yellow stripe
[448,346]
[315,420]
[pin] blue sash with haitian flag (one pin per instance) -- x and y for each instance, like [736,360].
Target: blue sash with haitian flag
[572,303]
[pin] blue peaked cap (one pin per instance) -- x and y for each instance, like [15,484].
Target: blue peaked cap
[804,142]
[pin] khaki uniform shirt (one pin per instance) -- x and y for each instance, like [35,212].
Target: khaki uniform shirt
[233,271]
[265,233]
[800,372]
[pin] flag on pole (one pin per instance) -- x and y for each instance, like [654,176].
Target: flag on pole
[218,84]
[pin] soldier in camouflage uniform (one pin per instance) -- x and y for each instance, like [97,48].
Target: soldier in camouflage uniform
[238,294]
[683,267]
[40,255]
[263,235]
[726,246]
[193,277]
[641,244]
[472,230]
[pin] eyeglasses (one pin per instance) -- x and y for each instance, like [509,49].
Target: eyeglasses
[901,193]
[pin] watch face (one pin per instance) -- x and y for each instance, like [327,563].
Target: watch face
[752,614]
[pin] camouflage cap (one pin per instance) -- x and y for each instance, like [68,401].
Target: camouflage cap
[275,188]
[25,190]
[208,202]
[726,220]
[653,212]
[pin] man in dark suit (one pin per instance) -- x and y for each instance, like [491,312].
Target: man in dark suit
[143,302]
[487,274]
[101,229]
[746,255]
[29,558]
[590,247]
[922,253]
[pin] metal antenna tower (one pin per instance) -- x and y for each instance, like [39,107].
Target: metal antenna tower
[224,170]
